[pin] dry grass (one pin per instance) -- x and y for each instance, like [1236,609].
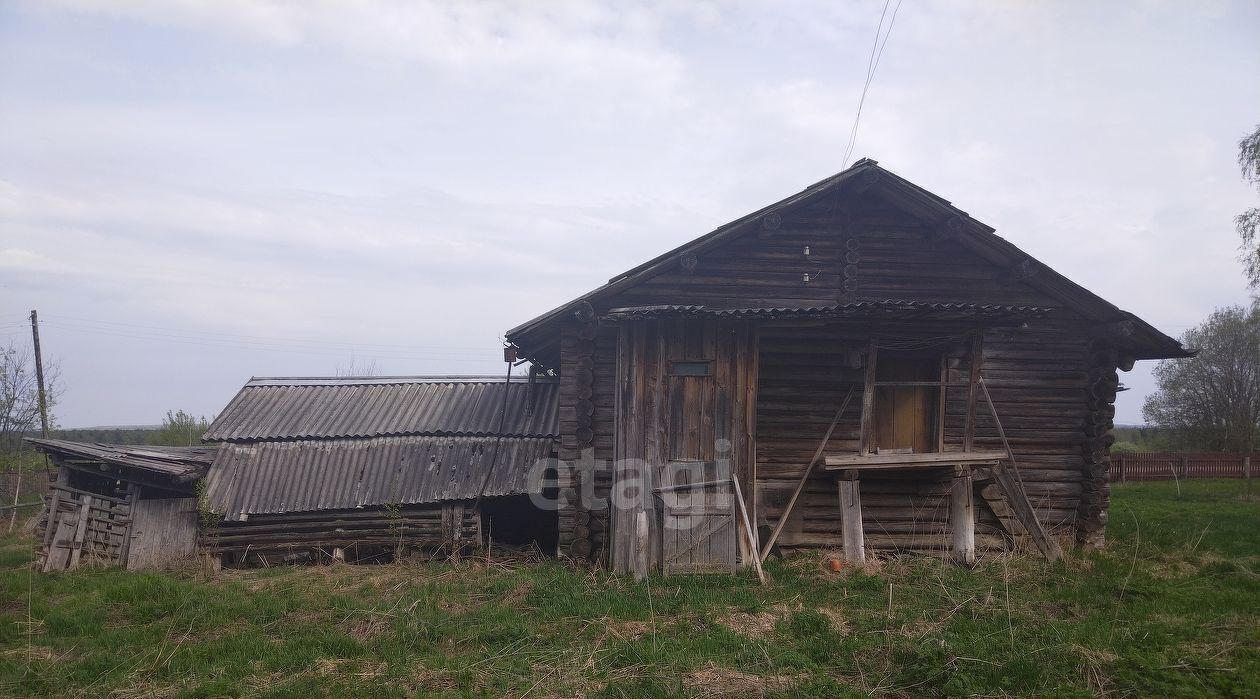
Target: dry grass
[716,681]
[1169,612]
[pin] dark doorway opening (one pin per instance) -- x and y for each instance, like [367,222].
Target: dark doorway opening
[516,521]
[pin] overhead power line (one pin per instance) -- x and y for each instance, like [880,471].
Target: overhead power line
[877,52]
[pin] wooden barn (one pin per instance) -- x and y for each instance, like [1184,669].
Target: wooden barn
[862,364]
[112,505]
[370,469]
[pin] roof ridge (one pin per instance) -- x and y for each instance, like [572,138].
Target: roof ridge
[382,380]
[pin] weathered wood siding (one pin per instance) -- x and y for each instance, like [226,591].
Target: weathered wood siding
[163,532]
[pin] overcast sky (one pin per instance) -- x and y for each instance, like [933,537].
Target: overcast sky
[196,192]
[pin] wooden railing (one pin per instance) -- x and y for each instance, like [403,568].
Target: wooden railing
[1166,466]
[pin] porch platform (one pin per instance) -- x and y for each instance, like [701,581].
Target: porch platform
[894,461]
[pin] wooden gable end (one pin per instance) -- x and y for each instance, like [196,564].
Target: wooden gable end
[832,250]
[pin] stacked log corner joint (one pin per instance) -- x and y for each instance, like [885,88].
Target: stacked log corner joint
[577,525]
[1091,520]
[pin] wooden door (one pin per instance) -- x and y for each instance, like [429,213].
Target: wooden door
[686,397]
[906,417]
[698,532]
[698,527]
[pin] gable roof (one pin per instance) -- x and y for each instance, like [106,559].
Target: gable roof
[380,406]
[539,340]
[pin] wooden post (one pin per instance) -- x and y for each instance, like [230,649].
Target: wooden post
[868,398]
[1185,467]
[39,376]
[748,529]
[851,517]
[1247,475]
[640,545]
[973,393]
[962,518]
[1120,467]
[80,531]
[338,555]
[214,562]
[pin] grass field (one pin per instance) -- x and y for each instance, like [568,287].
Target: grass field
[1171,608]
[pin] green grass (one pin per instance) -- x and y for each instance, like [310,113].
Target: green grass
[1171,608]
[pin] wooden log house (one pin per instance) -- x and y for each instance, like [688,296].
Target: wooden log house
[872,367]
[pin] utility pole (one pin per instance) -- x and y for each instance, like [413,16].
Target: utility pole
[39,376]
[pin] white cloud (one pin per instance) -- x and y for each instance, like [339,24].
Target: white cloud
[432,173]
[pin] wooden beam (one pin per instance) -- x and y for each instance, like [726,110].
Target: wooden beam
[748,531]
[1125,362]
[80,531]
[949,458]
[851,517]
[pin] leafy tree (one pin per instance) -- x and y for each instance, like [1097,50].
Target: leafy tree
[19,396]
[1248,222]
[1212,400]
[179,429]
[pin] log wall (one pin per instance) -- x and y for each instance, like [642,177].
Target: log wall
[1051,383]
[369,534]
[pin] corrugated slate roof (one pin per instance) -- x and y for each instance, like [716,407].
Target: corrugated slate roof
[180,463]
[306,475]
[330,408]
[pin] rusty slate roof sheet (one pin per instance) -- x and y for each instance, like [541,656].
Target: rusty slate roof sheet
[308,475]
[180,463]
[330,408]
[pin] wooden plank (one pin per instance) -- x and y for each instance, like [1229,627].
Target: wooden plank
[641,545]
[58,556]
[840,463]
[748,529]
[80,531]
[851,517]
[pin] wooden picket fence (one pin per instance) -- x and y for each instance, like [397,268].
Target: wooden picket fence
[1167,466]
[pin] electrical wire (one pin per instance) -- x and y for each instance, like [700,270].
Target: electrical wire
[877,52]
